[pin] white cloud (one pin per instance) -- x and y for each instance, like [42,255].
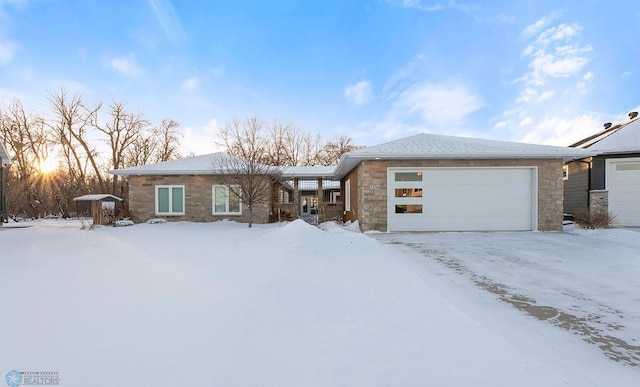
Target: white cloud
[126,66]
[546,95]
[360,93]
[168,19]
[536,27]
[190,84]
[526,121]
[562,131]
[417,4]
[7,50]
[201,140]
[441,104]
[557,71]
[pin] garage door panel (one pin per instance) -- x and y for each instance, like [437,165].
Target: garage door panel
[623,184]
[469,199]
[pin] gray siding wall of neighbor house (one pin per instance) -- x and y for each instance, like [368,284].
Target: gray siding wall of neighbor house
[576,187]
[372,187]
[599,167]
[198,203]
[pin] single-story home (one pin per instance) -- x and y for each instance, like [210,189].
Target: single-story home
[421,183]
[5,160]
[609,180]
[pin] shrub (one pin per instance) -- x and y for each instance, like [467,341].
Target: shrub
[592,219]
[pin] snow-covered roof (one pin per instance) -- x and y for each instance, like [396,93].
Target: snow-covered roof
[421,146]
[211,164]
[434,146]
[310,171]
[621,138]
[4,155]
[197,165]
[95,197]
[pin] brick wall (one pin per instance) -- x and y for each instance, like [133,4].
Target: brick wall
[372,188]
[197,197]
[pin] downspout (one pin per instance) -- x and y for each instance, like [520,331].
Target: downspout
[588,180]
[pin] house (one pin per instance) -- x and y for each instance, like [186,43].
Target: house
[610,180]
[5,161]
[431,182]
[420,183]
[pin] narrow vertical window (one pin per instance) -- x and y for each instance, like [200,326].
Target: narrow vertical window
[347,195]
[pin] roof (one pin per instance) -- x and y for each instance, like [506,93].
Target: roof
[434,146]
[96,197]
[196,165]
[621,138]
[421,146]
[4,155]
[309,171]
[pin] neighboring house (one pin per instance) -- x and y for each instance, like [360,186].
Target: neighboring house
[420,183]
[5,160]
[609,180]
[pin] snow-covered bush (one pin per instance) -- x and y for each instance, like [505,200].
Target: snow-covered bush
[592,219]
[122,223]
[156,221]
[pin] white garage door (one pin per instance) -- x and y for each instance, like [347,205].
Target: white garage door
[623,184]
[461,199]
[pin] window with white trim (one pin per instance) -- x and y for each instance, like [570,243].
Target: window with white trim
[347,195]
[226,200]
[169,199]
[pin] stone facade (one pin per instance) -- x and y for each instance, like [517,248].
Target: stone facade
[599,200]
[371,189]
[198,201]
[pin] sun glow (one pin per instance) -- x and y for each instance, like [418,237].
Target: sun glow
[48,165]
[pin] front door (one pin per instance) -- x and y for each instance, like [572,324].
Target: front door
[309,208]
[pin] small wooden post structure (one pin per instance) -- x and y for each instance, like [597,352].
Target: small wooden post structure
[96,201]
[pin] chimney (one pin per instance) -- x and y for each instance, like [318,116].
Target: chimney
[633,115]
[607,125]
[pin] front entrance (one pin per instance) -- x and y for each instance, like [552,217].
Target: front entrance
[309,209]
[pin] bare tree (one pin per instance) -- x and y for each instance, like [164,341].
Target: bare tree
[168,140]
[122,132]
[277,150]
[141,151]
[248,179]
[333,150]
[72,121]
[29,141]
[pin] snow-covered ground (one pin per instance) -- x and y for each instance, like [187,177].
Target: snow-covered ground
[292,305]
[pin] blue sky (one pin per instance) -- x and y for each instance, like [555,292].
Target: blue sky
[536,71]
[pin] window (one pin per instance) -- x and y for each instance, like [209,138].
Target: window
[408,208]
[226,200]
[335,197]
[627,167]
[347,195]
[408,176]
[408,192]
[565,172]
[169,199]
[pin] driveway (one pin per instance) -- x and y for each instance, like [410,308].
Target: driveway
[585,282]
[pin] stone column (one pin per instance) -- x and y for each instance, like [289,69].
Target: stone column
[598,200]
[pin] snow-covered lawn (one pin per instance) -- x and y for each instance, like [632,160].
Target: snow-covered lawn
[291,305]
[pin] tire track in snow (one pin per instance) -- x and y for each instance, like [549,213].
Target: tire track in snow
[614,348]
